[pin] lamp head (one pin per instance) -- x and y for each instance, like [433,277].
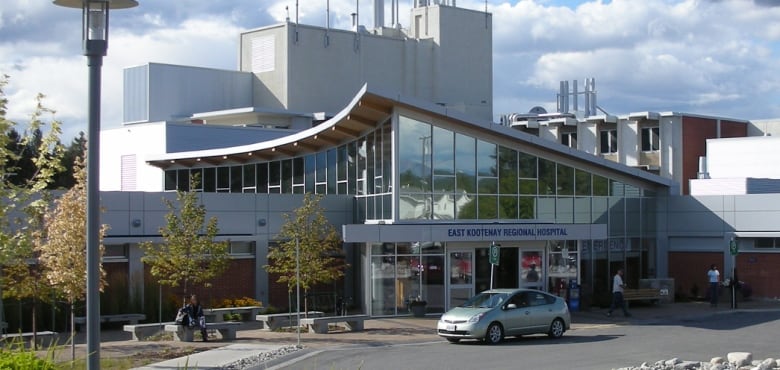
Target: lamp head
[94,33]
[113,4]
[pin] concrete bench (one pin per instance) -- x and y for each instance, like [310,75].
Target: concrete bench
[185,333]
[42,337]
[320,324]
[247,313]
[131,318]
[143,331]
[274,321]
[642,294]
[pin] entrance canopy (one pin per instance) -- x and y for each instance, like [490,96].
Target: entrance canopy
[455,232]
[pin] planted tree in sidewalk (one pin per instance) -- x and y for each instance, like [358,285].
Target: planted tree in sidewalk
[309,251]
[189,254]
[25,201]
[63,253]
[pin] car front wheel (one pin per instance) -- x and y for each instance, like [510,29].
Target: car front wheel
[556,329]
[495,333]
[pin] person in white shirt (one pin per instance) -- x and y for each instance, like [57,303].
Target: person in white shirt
[617,294]
[714,277]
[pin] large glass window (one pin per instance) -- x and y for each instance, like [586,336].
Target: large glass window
[565,180]
[414,155]
[443,160]
[507,171]
[547,173]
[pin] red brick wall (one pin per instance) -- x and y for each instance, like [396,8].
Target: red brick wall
[237,281]
[695,132]
[689,269]
[760,271]
[732,129]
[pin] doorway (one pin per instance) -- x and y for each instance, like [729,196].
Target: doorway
[461,275]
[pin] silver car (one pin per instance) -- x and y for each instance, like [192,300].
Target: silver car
[498,313]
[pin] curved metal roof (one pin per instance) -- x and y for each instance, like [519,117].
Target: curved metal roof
[363,114]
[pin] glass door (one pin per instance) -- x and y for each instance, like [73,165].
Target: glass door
[461,276]
[531,268]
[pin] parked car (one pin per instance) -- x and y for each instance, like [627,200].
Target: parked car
[498,313]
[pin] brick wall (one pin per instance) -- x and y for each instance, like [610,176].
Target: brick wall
[760,271]
[237,281]
[689,270]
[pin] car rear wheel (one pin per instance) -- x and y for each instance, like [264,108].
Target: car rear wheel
[453,340]
[556,329]
[495,333]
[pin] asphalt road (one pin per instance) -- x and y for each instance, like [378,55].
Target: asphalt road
[598,346]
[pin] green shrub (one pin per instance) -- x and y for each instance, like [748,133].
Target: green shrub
[22,359]
[240,302]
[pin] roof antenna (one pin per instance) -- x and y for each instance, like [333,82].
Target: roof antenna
[296,21]
[327,23]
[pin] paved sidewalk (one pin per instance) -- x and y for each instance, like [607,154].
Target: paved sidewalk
[395,330]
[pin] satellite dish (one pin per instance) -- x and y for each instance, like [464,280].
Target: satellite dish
[537,110]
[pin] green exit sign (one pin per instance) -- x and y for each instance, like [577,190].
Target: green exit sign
[733,247]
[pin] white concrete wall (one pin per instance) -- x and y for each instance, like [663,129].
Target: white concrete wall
[628,142]
[449,64]
[588,137]
[139,141]
[744,157]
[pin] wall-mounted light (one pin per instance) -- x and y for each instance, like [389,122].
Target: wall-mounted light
[136,222]
[261,222]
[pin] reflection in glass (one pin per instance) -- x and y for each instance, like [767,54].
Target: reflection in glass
[546,177]
[465,163]
[507,170]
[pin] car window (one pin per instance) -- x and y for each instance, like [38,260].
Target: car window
[538,299]
[520,299]
[486,300]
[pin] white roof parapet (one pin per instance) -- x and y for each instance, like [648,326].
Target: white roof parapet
[645,115]
[608,118]
[566,121]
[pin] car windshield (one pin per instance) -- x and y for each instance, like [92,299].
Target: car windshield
[485,300]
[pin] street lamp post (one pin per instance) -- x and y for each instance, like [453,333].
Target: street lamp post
[94,37]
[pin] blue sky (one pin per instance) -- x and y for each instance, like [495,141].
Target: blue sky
[714,57]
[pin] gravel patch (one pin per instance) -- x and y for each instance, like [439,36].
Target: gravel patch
[249,362]
[734,361]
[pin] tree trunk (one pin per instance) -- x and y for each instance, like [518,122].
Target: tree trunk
[72,331]
[34,343]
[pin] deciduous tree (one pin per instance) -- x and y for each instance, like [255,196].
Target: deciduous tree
[309,234]
[25,200]
[63,253]
[189,255]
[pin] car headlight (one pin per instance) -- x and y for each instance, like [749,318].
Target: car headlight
[476,318]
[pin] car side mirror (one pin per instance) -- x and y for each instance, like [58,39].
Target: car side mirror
[511,306]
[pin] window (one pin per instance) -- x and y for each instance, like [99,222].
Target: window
[650,142]
[242,248]
[116,252]
[569,139]
[608,141]
[766,242]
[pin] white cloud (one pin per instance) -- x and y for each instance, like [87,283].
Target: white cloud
[697,56]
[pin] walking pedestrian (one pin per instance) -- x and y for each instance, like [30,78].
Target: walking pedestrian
[617,294]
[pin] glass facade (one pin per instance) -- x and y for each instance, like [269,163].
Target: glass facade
[410,170]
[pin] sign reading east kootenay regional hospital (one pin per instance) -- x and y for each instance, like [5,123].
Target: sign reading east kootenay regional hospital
[515,232]
[472,232]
